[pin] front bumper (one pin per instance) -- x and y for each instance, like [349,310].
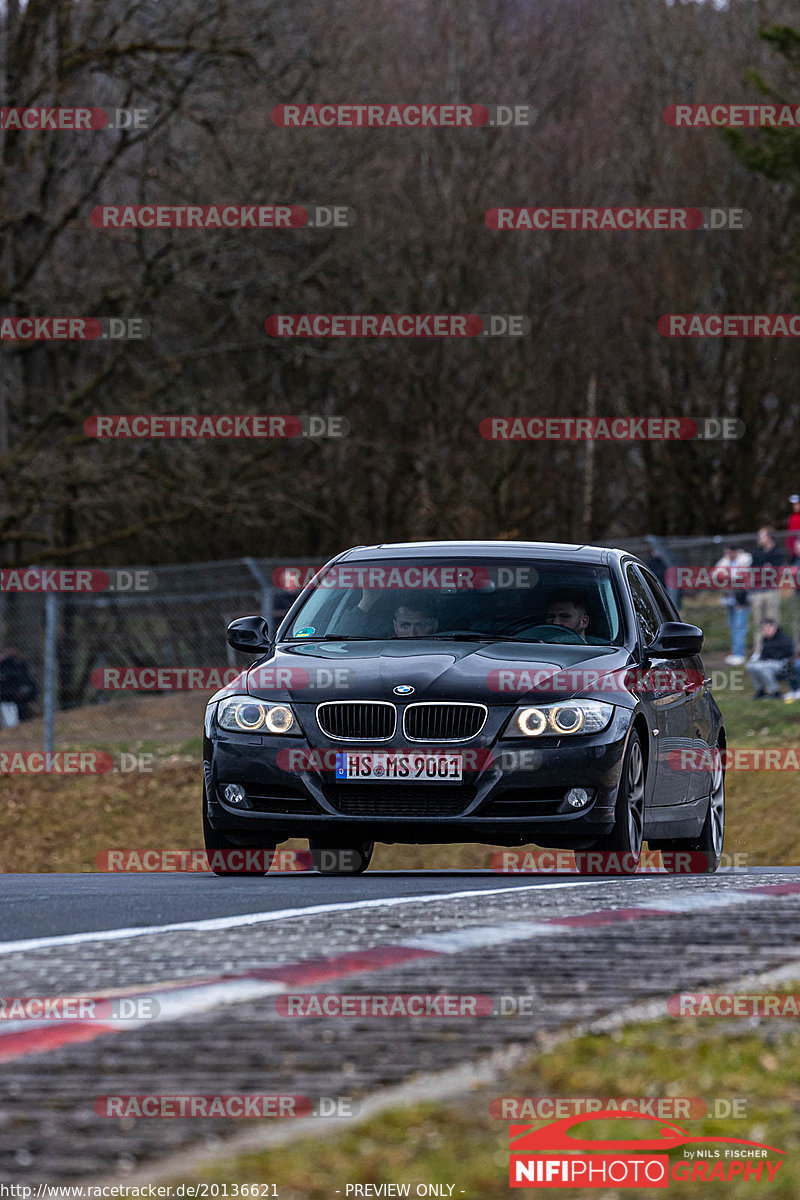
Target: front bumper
[516,798]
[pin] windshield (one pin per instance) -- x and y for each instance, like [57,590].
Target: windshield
[493,599]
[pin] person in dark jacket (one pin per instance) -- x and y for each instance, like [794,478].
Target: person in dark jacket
[17,685]
[765,600]
[777,655]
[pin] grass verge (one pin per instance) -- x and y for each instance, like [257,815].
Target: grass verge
[461,1143]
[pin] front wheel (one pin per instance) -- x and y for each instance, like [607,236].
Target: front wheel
[331,858]
[625,838]
[232,855]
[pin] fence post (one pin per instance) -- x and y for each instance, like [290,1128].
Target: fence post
[267,590]
[50,669]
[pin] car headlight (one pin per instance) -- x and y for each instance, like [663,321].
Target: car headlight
[244,714]
[570,716]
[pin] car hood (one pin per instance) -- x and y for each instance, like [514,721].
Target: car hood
[491,672]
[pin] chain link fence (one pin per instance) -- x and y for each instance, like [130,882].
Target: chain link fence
[179,619]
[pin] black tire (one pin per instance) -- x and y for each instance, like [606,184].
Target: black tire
[335,858]
[625,839]
[705,851]
[217,841]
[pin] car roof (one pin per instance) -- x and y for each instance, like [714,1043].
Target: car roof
[571,552]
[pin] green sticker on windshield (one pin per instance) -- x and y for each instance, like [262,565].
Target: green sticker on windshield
[306,631]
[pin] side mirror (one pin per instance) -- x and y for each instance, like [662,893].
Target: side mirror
[675,639]
[250,634]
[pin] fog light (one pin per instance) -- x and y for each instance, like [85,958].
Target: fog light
[577,797]
[234,793]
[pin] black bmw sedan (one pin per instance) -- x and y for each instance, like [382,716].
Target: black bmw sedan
[497,692]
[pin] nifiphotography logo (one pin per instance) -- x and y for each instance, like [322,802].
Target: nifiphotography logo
[552,1156]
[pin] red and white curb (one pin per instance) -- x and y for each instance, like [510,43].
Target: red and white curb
[175,1001]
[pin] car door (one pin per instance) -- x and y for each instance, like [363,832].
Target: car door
[696,684]
[668,706]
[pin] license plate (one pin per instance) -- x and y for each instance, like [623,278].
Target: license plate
[403,766]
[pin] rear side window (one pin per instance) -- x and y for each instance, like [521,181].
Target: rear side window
[646,614]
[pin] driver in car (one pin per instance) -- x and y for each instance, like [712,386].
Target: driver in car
[570,610]
[417,620]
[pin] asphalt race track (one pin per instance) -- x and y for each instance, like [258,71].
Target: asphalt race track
[212,957]
[48,905]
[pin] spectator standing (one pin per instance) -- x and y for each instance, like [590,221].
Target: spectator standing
[765,602]
[736,604]
[793,540]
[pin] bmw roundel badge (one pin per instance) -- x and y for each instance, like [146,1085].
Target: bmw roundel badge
[403,689]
